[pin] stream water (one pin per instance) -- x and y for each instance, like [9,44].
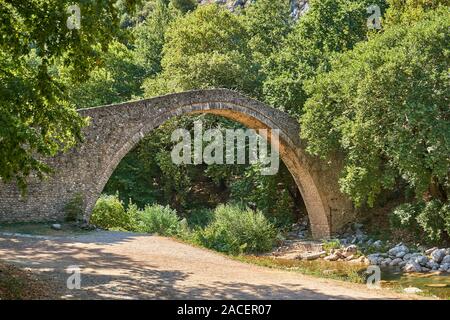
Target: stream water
[434,283]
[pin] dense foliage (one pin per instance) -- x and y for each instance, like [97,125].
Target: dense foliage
[236,230]
[109,212]
[36,118]
[330,26]
[385,104]
[379,98]
[229,228]
[161,220]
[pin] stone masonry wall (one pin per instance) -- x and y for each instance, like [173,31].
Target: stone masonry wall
[114,130]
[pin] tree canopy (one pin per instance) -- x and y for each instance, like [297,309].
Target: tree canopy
[385,105]
[36,118]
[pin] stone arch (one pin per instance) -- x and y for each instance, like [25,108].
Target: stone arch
[114,130]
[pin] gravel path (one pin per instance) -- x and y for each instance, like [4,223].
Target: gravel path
[130,266]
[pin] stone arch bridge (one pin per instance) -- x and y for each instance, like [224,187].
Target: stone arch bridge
[115,129]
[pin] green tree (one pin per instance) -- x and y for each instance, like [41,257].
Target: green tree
[328,27]
[267,23]
[206,48]
[117,78]
[410,11]
[36,118]
[385,105]
[149,38]
[184,5]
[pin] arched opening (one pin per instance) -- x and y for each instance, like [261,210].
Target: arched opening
[147,115]
[147,175]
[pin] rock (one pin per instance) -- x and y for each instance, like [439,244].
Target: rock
[446,259]
[301,234]
[373,258]
[415,255]
[444,267]
[340,254]
[377,244]
[401,254]
[314,256]
[412,290]
[422,260]
[429,251]
[332,257]
[397,249]
[385,262]
[362,260]
[396,262]
[421,248]
[291,256]
[425,269]
[350,250]
[56,226]
[438,254]
[432,265]
[407,256]
[412,266]
[349,258]
[437,285]
[402,264]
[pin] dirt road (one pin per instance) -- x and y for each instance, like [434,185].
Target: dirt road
[128,266]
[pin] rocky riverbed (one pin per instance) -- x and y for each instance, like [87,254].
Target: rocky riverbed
[354,246]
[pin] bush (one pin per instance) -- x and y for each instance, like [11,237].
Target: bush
[161,220]
[431,221]
[445,212]
[109,213]
[73,210]
[404,216]
[200,218]
[431,218]
[236,230]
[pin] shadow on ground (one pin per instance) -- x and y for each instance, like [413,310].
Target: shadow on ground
[107,275]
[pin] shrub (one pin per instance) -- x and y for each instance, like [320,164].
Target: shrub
[133,214]
[445,213]
[404,216]
[431,221]
[161,220]
[73,210]
[109,213]
[236,230]
[200,218]
[431,218]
